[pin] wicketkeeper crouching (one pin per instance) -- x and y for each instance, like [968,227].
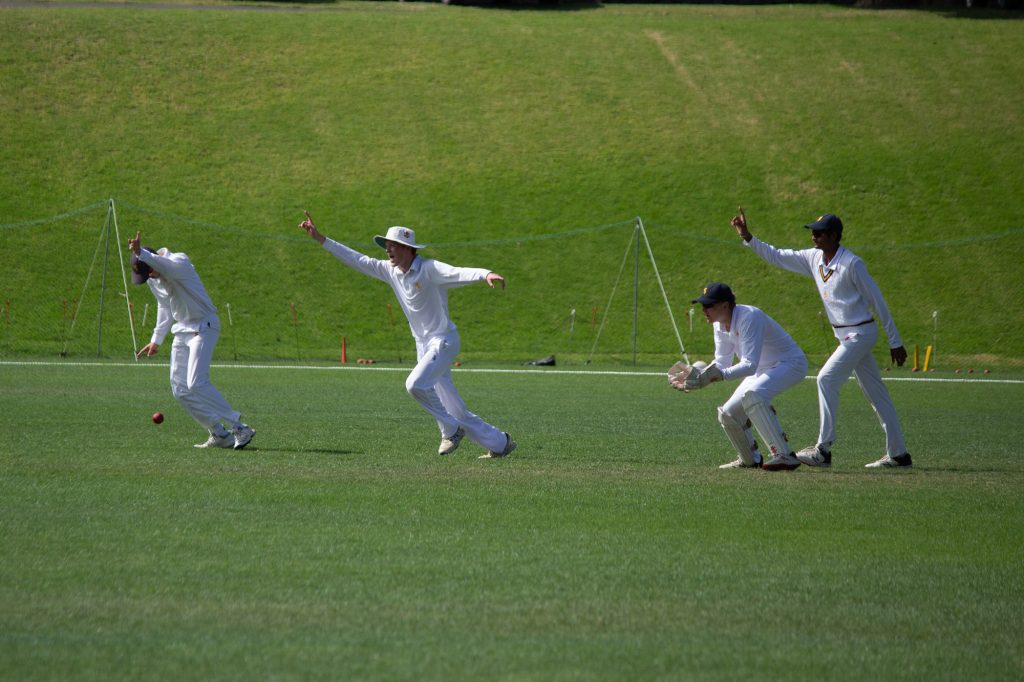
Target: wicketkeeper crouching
[768,362]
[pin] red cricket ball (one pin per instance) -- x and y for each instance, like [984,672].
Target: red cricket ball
[158,417]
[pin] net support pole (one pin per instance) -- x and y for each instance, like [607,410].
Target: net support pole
[636,284]
[661,285]
[81,299]
[124,281]
[103,281]
[611,296]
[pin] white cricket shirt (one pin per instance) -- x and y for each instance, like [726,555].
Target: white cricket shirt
[758,341]
[847,290]
[422,290]
[180,295]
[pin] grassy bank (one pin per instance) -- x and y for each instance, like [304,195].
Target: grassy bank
[488,129]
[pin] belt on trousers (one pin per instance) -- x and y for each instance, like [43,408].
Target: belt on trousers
[844,326]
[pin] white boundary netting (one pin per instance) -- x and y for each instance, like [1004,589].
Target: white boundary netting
[64,291]
[75,299]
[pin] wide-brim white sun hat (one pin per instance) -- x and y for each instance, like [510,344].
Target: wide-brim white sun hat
[402,235]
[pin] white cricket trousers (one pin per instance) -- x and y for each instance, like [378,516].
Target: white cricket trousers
[767,383]
[191,354]
[430,383]
[854,356]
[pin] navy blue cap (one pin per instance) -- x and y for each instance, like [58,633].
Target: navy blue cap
[826,222]
[716,292]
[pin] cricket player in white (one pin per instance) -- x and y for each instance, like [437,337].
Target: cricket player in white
[768,362]
[849,294]
[182,300]
[421,286]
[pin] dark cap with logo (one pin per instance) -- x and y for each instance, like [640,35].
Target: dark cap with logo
[716,292]
[826,223]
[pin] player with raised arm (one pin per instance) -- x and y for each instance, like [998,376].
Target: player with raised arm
[768,362]
[849,295]
[182,301]
[421,286]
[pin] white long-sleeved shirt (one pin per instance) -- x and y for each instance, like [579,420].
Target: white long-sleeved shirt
[758,341]
[422,290]
[180,295]
[847,290]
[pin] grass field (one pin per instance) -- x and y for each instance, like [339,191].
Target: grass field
[609,546]
[489,130]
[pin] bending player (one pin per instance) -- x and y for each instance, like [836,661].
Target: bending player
[849,294]
[182,299]
[769,362]
[421,286]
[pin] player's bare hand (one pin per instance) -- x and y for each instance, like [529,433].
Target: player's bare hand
[133,244]
[310,227]
[493,277]
[898,355]
[739,223]
[149,350]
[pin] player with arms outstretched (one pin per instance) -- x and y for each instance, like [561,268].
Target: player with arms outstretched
[421,286]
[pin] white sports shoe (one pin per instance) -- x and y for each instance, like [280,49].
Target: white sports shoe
[450,445]
[738,463]
[888,462]
[781,463]
[227,441]
[815,456]
[243,434]
[510,445]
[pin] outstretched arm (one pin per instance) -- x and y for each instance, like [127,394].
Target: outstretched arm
[787,259]
[739,223]
[350,257]
[493,277]
[310,228]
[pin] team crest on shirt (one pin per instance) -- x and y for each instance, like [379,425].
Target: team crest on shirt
[418,286]
[825,275]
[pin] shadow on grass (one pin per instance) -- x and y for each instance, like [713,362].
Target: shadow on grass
[955,12]
[535,6]
[960,470]
[953,9]
[307,451]
[949,9]
[929,469]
